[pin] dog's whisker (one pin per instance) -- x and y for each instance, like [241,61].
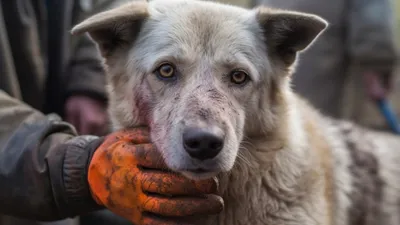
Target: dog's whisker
[242,158]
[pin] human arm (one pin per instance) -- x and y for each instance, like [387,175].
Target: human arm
[371,45]
[85,94]
[48,173]
[42,163]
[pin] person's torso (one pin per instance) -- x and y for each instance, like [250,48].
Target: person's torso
[35,48]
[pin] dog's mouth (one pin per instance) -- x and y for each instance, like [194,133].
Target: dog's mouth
[198,170]
[199,173]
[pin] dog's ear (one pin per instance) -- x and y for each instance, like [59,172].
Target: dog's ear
[287,32]
[115,27]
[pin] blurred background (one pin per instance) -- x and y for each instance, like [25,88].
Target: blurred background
[366,31]
[351,72]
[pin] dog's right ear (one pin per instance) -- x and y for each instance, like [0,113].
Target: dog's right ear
[115,27]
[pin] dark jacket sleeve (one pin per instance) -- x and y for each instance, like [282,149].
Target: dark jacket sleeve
[85,73]
[43,164]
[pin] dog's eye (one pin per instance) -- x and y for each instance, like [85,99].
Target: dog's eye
[166,71]
[239,77]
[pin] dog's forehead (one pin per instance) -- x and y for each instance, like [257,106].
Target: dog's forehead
[191,19]
[191,29]
[190,6]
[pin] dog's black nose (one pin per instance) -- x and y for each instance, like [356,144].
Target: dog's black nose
[202,143]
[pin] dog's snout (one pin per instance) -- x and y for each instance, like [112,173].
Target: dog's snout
[201,143]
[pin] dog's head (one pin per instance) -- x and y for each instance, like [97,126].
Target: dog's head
[202,75]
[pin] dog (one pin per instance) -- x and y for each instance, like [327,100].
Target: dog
[213,83]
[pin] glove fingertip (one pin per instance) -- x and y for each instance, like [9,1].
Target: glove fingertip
[217,203]
[210,186]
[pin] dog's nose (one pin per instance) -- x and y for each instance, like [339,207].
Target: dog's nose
[202,143]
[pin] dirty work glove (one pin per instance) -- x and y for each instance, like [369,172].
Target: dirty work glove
[128,176]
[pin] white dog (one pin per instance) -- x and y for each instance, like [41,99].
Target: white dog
[213,83]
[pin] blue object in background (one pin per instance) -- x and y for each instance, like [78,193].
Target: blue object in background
[389,115]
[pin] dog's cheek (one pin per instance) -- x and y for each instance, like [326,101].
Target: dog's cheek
[240,122]
[236,116]
[159,134]
[165,136]
[144,101]
[142,110]
[230,152]
[161,122]
[256,114]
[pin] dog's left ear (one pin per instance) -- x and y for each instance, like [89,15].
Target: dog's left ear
[287,33]
[116,27]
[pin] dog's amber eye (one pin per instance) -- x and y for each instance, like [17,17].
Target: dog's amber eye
[239,77]
[166,71]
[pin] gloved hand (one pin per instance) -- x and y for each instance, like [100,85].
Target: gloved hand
[128,176]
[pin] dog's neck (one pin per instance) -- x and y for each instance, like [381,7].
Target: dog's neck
[272,175]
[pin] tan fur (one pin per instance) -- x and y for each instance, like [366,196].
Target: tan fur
[282,162]
[319,144]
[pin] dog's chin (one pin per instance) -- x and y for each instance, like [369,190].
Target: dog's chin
[198,175]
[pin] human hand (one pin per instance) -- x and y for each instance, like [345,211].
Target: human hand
[128,176]
[377,85]
[88,115]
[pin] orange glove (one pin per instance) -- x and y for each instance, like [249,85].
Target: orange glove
[128,176]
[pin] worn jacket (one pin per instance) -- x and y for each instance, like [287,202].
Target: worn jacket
[360,35]
[42,162]
[43,165]
[40,62]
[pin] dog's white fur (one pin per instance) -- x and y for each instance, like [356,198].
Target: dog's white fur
[282,162]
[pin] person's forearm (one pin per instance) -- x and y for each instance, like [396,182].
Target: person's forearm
[42,164]
[85,74]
